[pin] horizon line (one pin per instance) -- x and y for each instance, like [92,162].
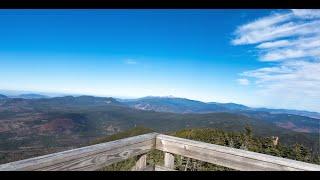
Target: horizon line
[50,94]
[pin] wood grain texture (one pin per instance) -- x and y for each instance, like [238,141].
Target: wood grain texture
[97,156]
[169,160]
[229,157]
[87,158]
[148,168]
[141,163]
[162,168]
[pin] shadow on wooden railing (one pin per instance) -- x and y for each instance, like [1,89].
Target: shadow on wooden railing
[98,156]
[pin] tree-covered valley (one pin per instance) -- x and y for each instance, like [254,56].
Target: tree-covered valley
[33,127]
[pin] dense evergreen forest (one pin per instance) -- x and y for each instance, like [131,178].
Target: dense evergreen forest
[245,140]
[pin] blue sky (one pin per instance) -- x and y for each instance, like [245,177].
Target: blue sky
[207,55]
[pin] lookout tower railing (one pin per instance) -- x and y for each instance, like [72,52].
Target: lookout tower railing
[100,155]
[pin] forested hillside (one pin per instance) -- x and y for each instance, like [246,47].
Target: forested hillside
[245,140]
[33,127]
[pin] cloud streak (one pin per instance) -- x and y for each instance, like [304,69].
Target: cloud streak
[291,41]
[243,81]
[130,62]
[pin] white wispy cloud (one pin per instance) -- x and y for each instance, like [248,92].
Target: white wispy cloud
[253,36]
[243,81]
[306,13]
[304,43]
[274,44]
[278,25]
[130,62]
[290,53]
[291,40]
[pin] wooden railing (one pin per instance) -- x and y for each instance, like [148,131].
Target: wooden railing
[87,158]
[98,156]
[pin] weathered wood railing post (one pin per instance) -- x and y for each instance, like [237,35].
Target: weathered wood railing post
[169,160]
[88,158]
[98,156]
[141,163]
[225,156]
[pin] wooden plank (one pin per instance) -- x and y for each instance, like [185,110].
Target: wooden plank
[94,162]
[100,155]
[148,168]
[162,168]
[87,158]
[169,160]
[229,157]
[141,163]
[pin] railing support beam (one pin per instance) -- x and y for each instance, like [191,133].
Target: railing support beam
[141,163]
[169,160]
[228,157]
[100,155]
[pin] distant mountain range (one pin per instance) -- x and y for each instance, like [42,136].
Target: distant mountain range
[177,105]
[32,125]
[3,96]
[183,105]
[300,121]
[24,96]
[30,96]
[170,104]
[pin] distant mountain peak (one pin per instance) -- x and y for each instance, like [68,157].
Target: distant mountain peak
[3,96]
[169,96]
[32,96]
